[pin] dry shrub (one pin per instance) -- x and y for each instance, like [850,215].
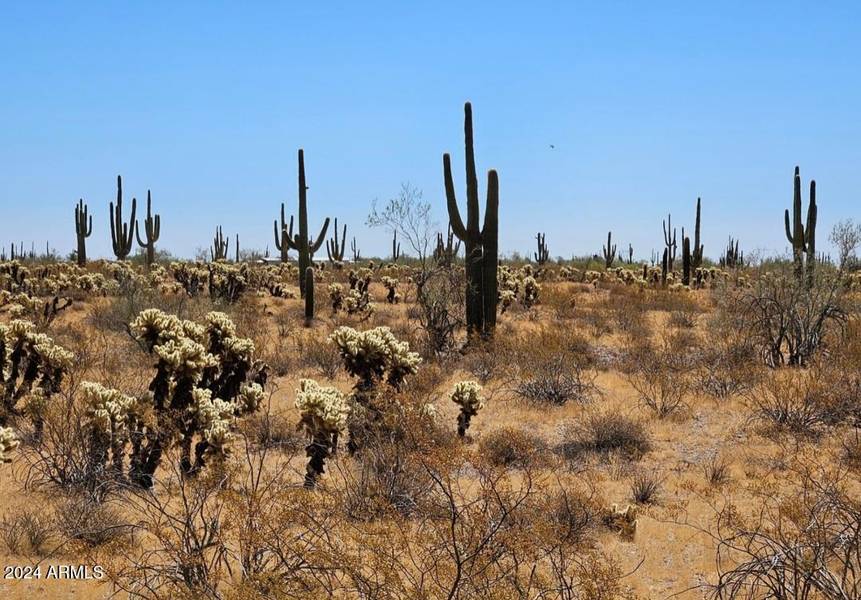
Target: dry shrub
[513,447]
[605,433]
[646,487]
[661,374]
[716,471]
[27,530]
[90,523]
[798,401]
[273,431]
[800,543]
[728,366]
[316,352]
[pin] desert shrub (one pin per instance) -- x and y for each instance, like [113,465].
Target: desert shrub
[27,530]
[273,431]
[800,402]
[794,545]
[661,374]
[646,487]
[605,433]
[386,480]
[318,353]
[86,521]
[728,366]
[440,300]
[513,447]
[557,382]
[788,321]
[716,471]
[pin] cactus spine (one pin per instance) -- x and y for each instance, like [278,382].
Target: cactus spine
[803,239]
[481,245]
[283,235]
[152,228]
[309,295]
[121,236]
[83,229]
[670,241]
[334,251]
[609,251]
[543,253]
[218,250]
[304,245]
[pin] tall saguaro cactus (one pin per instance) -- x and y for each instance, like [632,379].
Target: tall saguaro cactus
[609,251]
[543,253]
[83,229]
[802,238]
[481,245]
[301,242]
[283,235]
[218,250]
[334,250]
[697,251]
[122,235]
[152,229]
[687,260]
[670,241]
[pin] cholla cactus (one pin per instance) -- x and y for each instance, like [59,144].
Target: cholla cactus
[391,284]
[8,443]
[506,299]
[30,365]
[370,355]
[466,394]
[531,289]
[324,413]
[336,296]
[358,303]
[206,376]
[111,417]
[622,520]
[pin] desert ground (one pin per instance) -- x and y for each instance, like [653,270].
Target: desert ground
[627,437]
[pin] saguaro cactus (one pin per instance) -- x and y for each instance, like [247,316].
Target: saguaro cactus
[670,241]
[218,250]
[309,295]
[481,245]
[83,229]
[335,251]
[697,251]
[357,254]
[283,235]
[122,235]
[802,238]
[609,251]
[396,247]
[542,254]
[152,228]
[446,252]
[687,260]
[304,245]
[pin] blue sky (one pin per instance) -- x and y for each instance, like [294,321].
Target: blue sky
[649,105]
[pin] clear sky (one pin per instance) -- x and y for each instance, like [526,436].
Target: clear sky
[648,105]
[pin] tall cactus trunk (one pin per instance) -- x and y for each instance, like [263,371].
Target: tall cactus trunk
[83,229]
[481,245]
[305,246]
